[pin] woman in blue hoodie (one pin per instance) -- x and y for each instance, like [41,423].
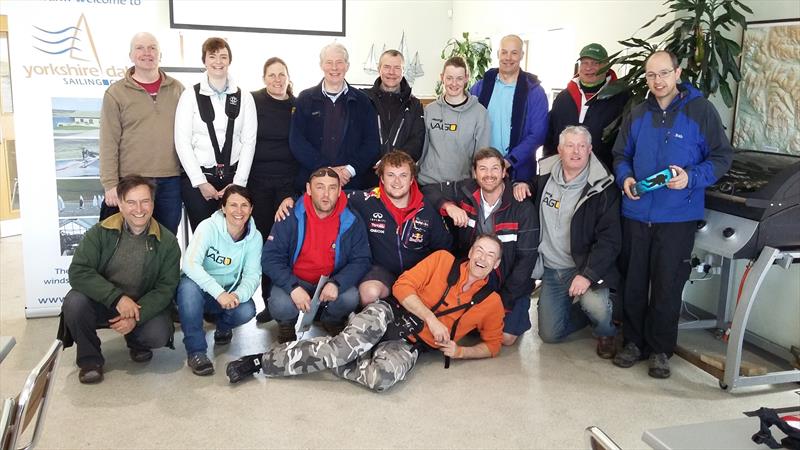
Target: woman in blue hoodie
[221,271]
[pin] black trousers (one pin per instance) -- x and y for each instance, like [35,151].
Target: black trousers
[655,263]
[83,316]
[268,192]
[197,207]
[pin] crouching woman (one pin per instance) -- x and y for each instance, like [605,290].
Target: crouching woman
[221,270]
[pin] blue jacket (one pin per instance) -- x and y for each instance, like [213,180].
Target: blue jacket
[218,264]
[528,120]
[358,147]
[688,134]
[282,247]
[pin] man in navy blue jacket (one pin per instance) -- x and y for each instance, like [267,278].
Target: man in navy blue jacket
[517,106]
[321,236]
[677,128]
[334,125]
[403,227]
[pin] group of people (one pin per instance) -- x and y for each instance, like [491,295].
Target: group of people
[411,226]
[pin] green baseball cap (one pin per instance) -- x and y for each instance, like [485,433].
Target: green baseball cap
[594,51]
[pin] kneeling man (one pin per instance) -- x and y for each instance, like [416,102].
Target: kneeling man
[580,241]
[123,276]
[450,298]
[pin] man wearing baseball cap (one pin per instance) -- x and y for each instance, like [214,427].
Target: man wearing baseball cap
[580,104]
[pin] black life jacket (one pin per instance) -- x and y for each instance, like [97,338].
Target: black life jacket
[232,106]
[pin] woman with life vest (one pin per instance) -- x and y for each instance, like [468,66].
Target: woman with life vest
[215,134]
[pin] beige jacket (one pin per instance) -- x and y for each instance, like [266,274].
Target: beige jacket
[136,131]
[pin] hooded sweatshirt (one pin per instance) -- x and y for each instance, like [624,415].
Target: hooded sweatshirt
[218,264]
[454,134]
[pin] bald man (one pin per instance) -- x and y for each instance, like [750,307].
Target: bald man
[137,125]
[517,107]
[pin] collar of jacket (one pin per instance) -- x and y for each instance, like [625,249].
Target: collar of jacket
[686,93]
[574,88]
[165,79]
[115,223]
[473,191]
[404,92]
[599,178]
[317,94]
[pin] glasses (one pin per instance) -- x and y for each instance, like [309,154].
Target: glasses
[324,172]
[661,75]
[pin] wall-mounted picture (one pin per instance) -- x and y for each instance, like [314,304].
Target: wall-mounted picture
[76,117]
[77,157]
[71,231]
[79,197]
[768,97]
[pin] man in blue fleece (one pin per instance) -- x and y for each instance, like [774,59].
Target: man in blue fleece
[517,107]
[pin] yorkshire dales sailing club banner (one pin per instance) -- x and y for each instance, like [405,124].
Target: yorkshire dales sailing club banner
[64,56]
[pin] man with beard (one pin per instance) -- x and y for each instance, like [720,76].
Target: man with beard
[485,204]
[401,226]
[321,236]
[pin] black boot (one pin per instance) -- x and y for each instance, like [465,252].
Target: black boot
[243,367]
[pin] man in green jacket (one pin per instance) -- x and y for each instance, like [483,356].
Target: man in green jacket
[123,276]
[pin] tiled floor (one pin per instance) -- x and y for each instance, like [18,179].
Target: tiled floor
[533,395]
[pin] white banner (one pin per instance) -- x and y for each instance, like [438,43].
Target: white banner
[64,55]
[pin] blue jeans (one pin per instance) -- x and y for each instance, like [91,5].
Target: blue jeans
[193,302]
[283,309]
[167,207]
[559,317]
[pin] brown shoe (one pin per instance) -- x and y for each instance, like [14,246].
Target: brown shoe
[333,328]
[605,347]
[91,374]
[286,333]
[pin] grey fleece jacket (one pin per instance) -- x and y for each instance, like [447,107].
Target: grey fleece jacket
[453,135]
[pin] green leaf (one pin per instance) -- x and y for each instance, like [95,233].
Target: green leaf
[667,26]
[725,91]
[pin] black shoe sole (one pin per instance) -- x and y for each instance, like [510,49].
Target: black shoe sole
[203,372]
[143,358]
[625,364]
[234,376]
[658,374]
[223,341]
[264,317]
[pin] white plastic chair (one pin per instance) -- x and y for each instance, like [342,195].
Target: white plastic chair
[31,403]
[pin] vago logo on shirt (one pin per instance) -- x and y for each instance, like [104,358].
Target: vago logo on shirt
[213,254]
[439,124]
[548,200]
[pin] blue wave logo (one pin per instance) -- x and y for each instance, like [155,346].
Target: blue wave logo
[75,41]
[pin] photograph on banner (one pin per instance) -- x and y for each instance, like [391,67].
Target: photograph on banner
[76,117]
[79,197]
[71,232]
[77,157]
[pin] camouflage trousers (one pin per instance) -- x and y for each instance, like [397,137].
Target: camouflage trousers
[356,354]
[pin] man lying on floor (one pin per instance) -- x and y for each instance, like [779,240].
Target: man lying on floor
[445,298]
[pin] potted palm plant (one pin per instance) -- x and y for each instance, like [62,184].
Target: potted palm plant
[477,55]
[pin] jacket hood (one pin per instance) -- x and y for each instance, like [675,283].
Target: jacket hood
[115,221]
[221,227]
[472,100]
[404,92]
[599,177]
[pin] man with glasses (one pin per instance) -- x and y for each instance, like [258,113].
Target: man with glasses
[581,104]
[320,236]
[674,128]
[334,125]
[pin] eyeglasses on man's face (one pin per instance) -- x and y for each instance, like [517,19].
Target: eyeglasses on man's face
[651,76]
